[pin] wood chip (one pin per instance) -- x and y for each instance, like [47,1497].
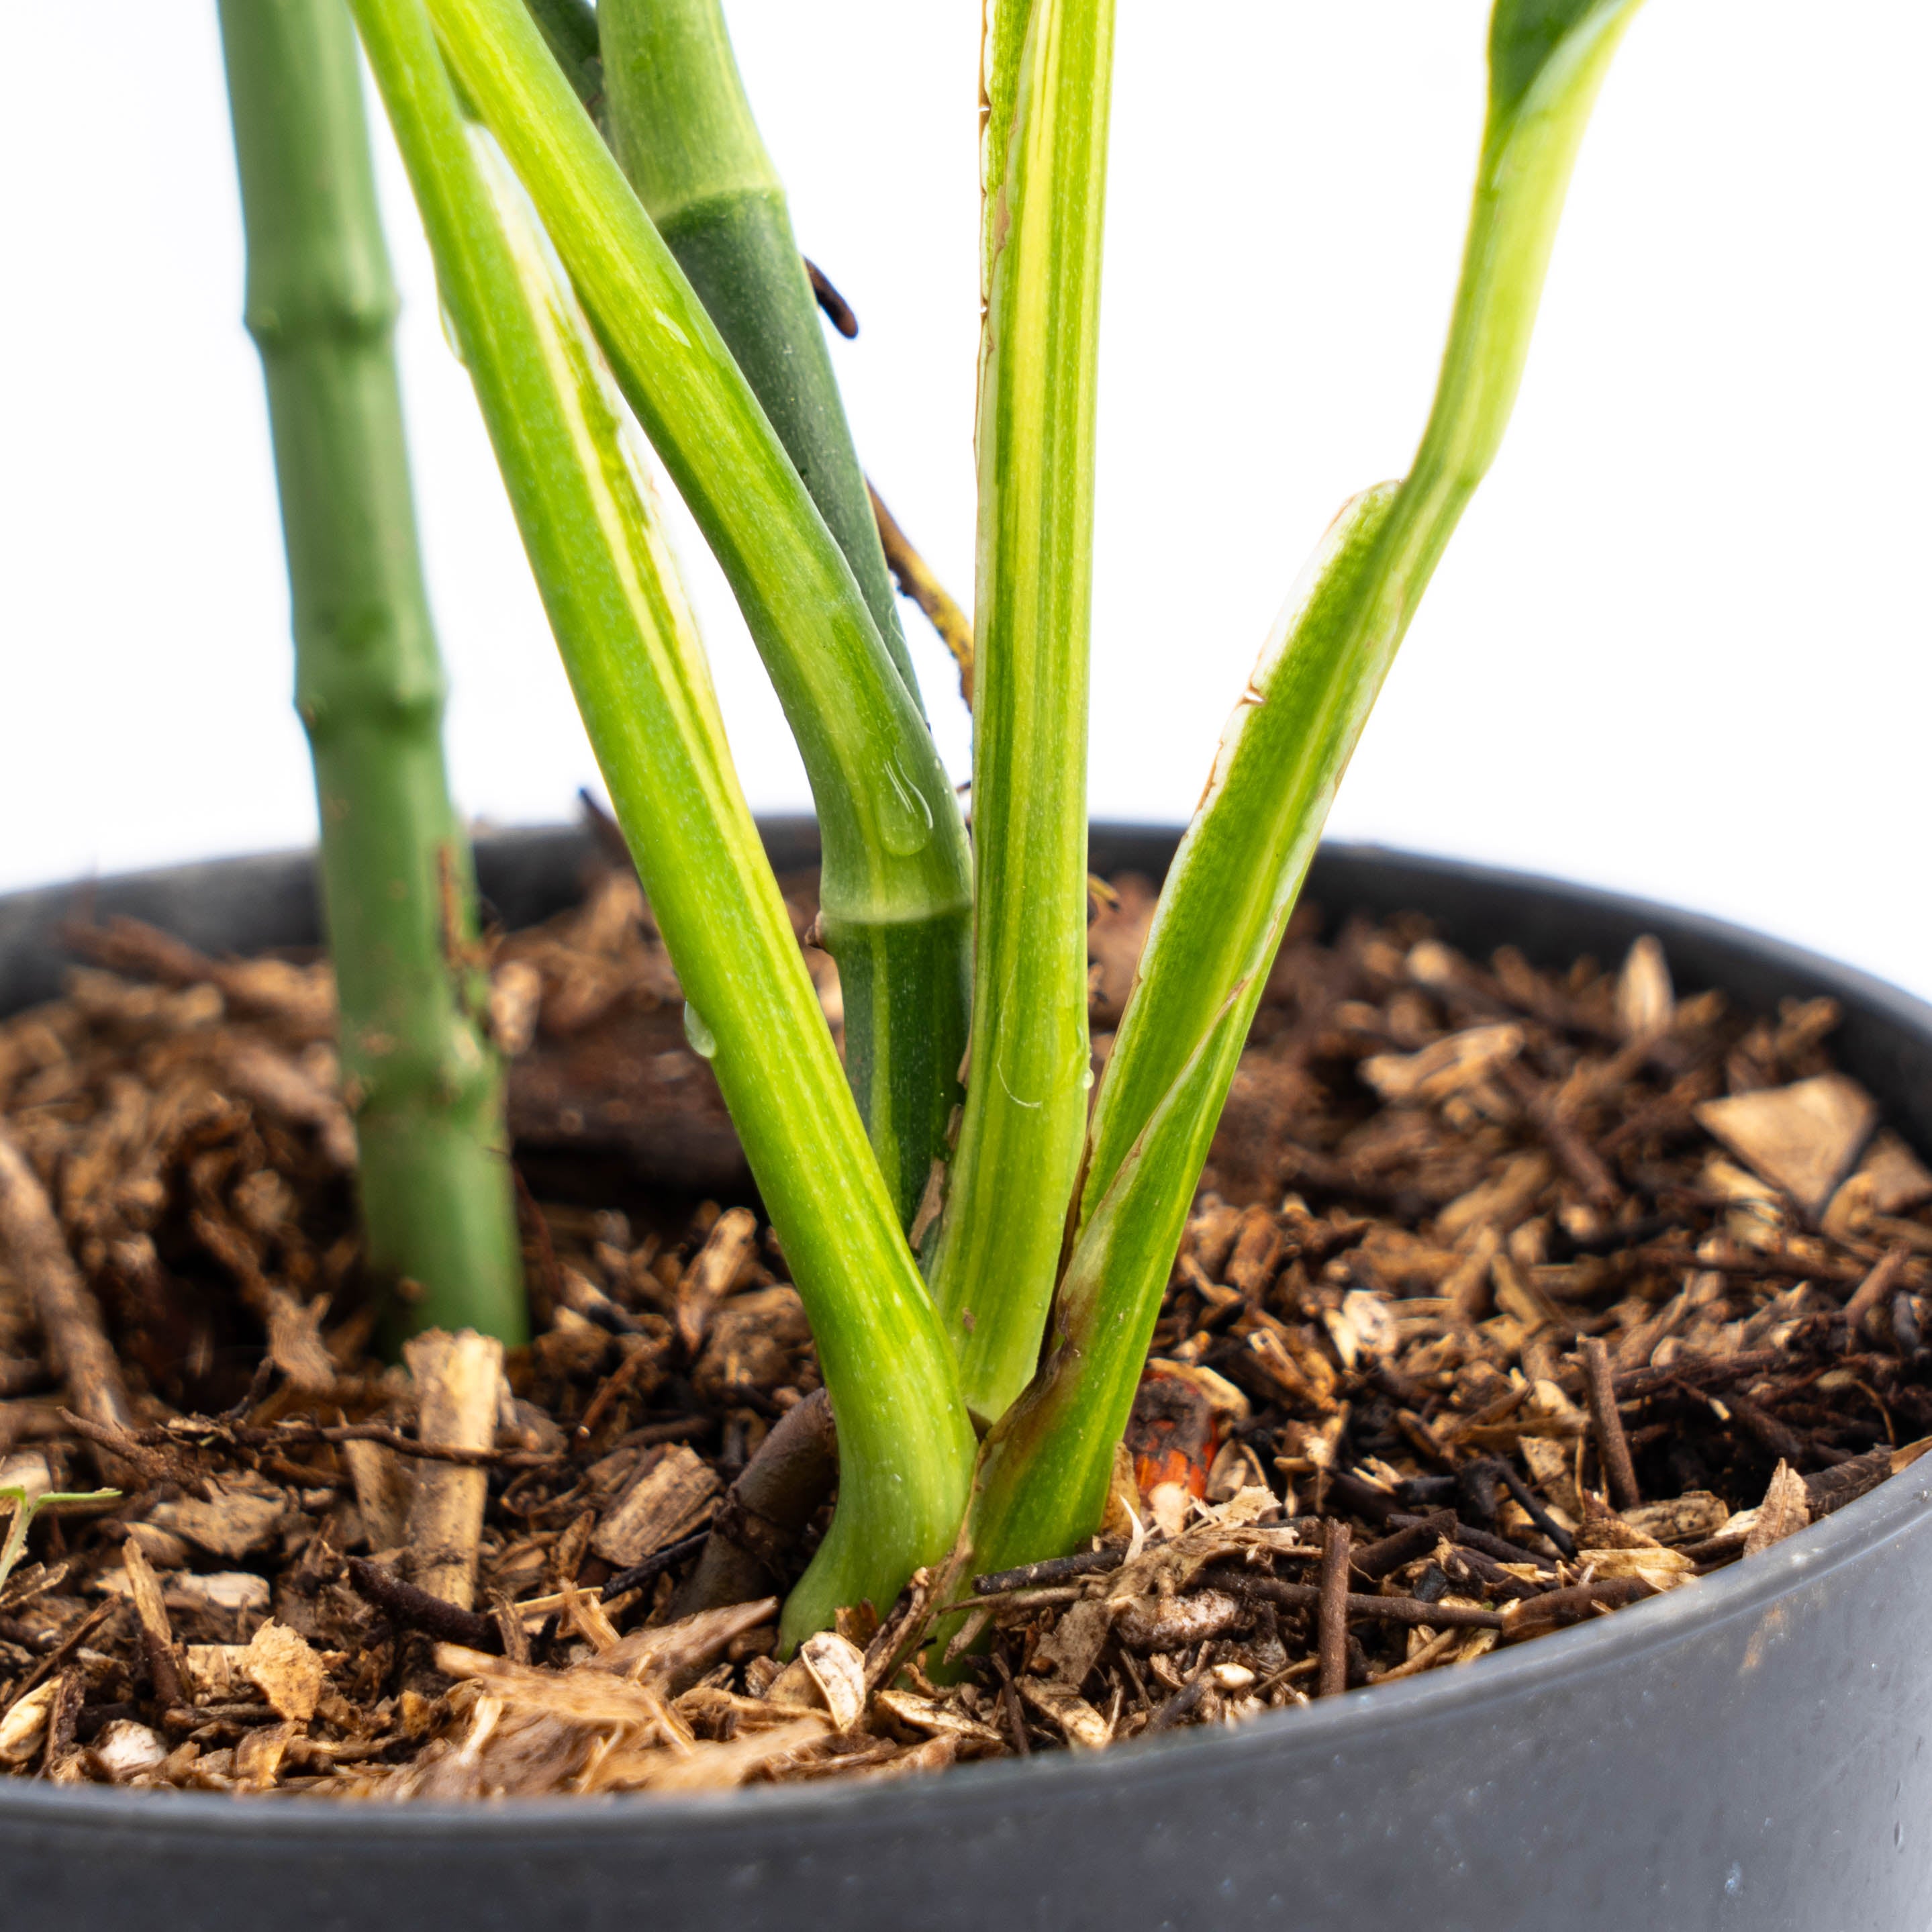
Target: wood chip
[713,1272]
[1899,1179]
[34,1250]
[671,1497]
[837,1666]
[242,1514]
[1645,999]
[1082,1726]
[281,1665]
[1803,1137]
[1445,1067]
[1783,1512]
[459,1384]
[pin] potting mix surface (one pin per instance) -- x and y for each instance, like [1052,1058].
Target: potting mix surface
[1511,1298]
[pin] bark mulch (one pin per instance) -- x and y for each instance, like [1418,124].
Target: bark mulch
[1511,1298]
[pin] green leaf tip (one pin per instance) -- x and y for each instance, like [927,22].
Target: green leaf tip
[1527,36]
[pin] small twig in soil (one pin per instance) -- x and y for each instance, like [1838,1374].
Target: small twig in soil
[1332,1615]
[1871,1293]
[1009,1703]
[1783,1442]
[158,1637]
[837,309]
[1464,1565]
[1533,1507]
[1500,1547]
[1539,1613]
[654,1565]
[1384,1609]
[1613,1445]
[69,1317]
[65,1649]
[1181,1705]
[1585,1165]
[416,1610]
[293,1434]
[1052,1569]
[1696,1371]
[1417,1538]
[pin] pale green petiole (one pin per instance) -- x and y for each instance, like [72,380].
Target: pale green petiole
[609,586]
[998,1247]
[1229,895]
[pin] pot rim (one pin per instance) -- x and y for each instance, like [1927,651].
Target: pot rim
[1755,1590]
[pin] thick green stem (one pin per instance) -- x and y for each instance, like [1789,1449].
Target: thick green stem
[610,585]
[897,875]
[683,132]
[570,30]
[425,1084]
[998,1248]
[1233,884]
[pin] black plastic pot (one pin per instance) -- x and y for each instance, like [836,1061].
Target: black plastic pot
[1748,1753]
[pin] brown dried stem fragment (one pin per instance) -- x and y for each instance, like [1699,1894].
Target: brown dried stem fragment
[1332,1615]
[158,1637]
[915,579]
[416,1610]
[1875,1291]
[837,309]
[1613,1445]
[69,1318]
[1384,1610]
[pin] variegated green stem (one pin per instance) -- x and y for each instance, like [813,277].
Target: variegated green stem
[682,129]
[1239,866]
[1233,880]
[426,1084]
[998,1247]
[570,30]
[609,585]
[1041,1485]
[1042,1481]
[897,875]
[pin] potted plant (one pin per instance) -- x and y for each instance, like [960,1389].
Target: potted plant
[980,1229]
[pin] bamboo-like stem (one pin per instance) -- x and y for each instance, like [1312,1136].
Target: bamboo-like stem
[896,882]
[426,1086]
[604,566]
[998,1247]
[1043,1479]
[683,131]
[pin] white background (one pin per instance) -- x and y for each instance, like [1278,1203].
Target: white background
[1679,646]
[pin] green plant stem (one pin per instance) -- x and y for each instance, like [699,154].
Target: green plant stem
[998,1247]
[896,884]
[604,566]
[570,30]
[683,133]
[1043,1479]
[425,1085]
[1232,884]
[1041,1485]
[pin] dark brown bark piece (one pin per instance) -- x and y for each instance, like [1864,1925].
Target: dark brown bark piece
[765,1510]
